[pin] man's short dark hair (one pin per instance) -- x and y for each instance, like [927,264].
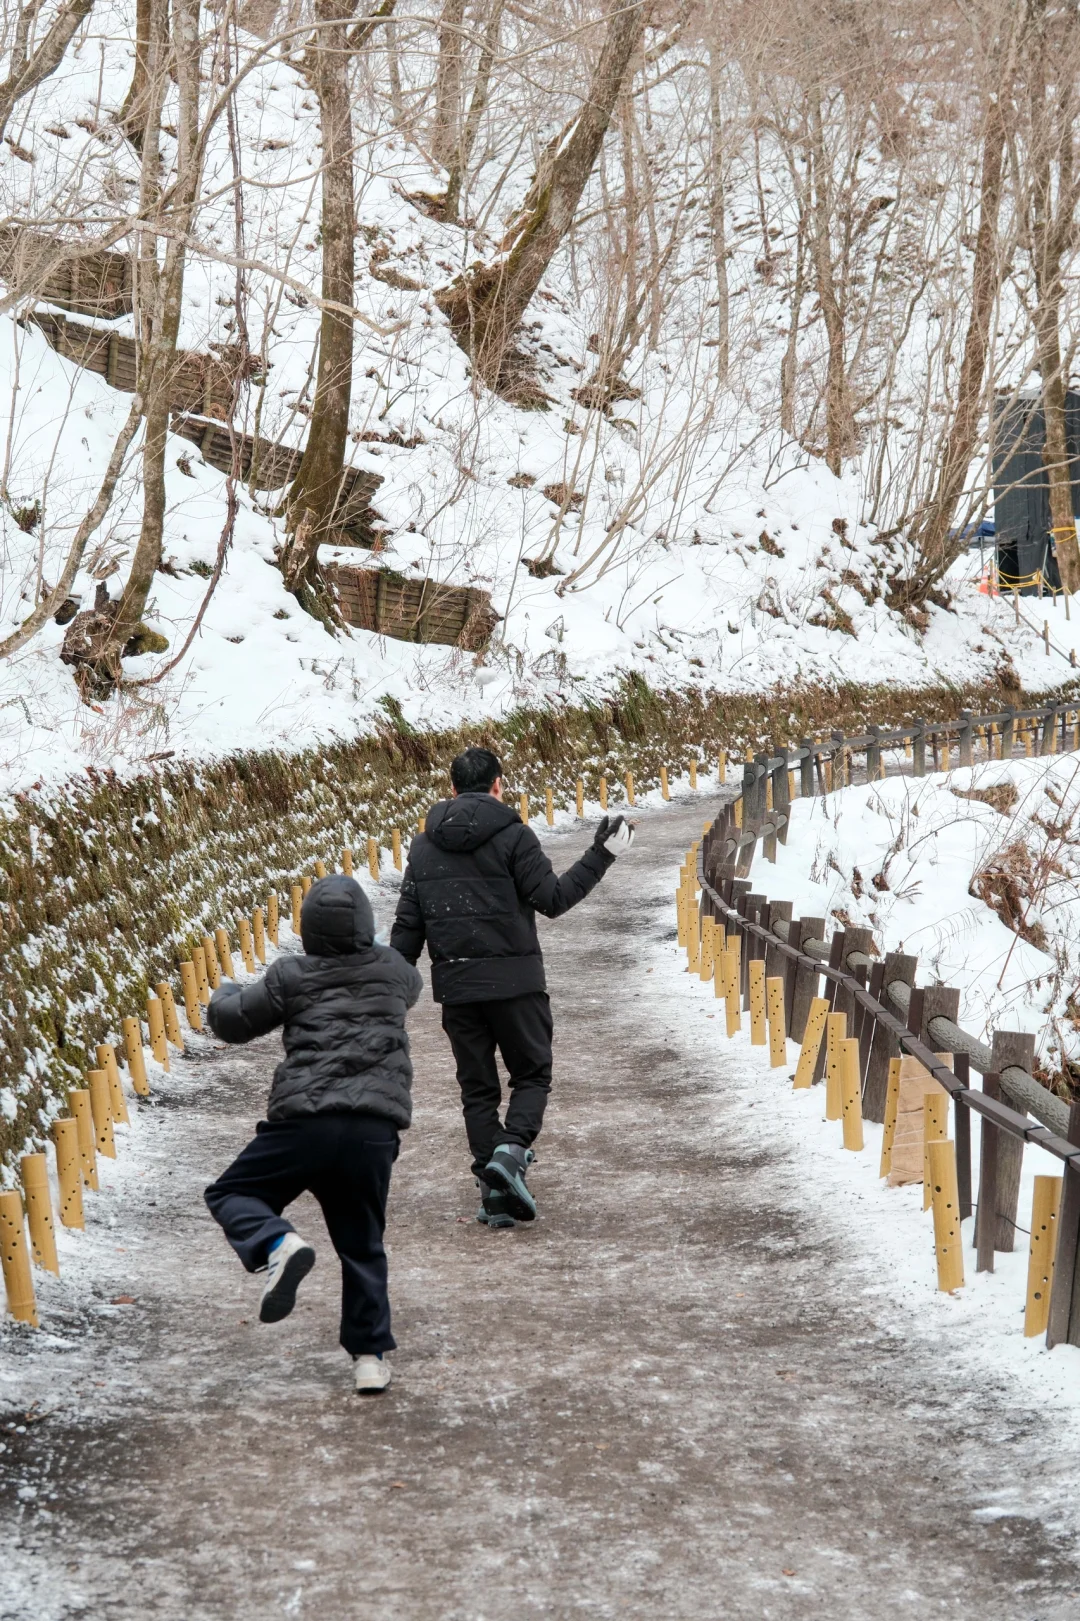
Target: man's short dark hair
[475,771]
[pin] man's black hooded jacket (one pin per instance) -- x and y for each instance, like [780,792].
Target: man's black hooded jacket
[475,879]
[343,1004]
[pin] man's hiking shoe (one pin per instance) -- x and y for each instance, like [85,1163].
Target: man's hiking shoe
[494,1208]
[505,1171]
[371,1375]
[287,1267]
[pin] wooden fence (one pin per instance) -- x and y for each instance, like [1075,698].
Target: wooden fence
[414,610]
[887,1013]
[96,283]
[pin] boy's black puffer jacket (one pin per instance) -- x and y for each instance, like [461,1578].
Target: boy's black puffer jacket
[343,1006]
[475,879]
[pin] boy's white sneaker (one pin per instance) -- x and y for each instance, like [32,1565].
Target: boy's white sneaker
[371,1375]
[286,1268]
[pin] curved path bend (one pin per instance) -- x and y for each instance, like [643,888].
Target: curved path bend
[683,1393]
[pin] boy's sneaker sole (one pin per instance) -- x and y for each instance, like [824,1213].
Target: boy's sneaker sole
[509,1180]
[279,1301]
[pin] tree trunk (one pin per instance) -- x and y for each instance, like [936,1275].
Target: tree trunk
[477,103]
[839,420]
[445,135]
[26,71]
[930,537]
[718,219]
[316,488]
[487,307]
[133,113]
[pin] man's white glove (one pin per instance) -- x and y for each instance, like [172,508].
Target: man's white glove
[615,835]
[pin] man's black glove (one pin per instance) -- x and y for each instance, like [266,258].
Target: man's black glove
[615,835]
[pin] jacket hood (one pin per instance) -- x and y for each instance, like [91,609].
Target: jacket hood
[336,919]
[467,822]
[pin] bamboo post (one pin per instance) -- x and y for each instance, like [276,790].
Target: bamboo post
[133,1051]
[395,847]
[549,807]
[198,957]
[101,1110]
[18,1279]
[892,1108]
[739,812]
[705,961]
[373,858]
[168,1007]
[305,886]
[835,1033]
[850,1094]
[79,1104]
[155,1018]
[629,787]
[693,773]
[579,797]
[693,937]
[296,896]
[106,1060]
[732,985]
[39,1215]
[272,918]
[258,934]
[421,826]
[346,862]
[603,793]
[213,968]
[680,915]
[320,869]
[946,1203]
[756,967]
[224,951]
[719,969]
[1044,1214]
[65,1136]
[189,986]
[523,808]
[243,929]
[774,1003]
[811,1042]
[935,1129]
[665,793]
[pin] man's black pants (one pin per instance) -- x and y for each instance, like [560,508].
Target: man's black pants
[345,1161]
[520,1027]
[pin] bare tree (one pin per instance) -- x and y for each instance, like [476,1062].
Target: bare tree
[30,65]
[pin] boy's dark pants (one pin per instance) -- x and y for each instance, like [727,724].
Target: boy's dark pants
[520,1027]
[345,1161]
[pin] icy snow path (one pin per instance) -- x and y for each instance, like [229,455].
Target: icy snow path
[688,1391]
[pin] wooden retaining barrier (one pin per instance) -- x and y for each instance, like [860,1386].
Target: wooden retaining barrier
[98,284]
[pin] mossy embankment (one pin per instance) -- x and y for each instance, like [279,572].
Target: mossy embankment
[106,883]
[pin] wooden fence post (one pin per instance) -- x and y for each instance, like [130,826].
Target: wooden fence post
[986,1209]
[967,735]
[806,978]
[1009,1047]
[897,968]
[918,749]
[1063,1327]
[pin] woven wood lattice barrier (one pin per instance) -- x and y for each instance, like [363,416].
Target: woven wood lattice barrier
[414,610]
[200,383]
[97,284]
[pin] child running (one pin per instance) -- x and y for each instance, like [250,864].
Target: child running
[337,1105]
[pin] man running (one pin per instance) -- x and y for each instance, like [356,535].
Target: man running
[474,881]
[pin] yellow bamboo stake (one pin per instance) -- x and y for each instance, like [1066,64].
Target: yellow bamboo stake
[320,869]
[224,951]
[549,807]
[946,1203]
[935,1128]
[346,861]
[792,786]
[421,825]
[198,957]
[243,929]
[272,919]
[732,984]
[106,1059]
[579,796]
[721,767]
[768,793]
[213,968]
[603,793]
[65,1136]
[719,970]
[39,1216]
[373,858]
[15,1257]
[395,847]
[305,887]
[1044,1224]
[693,938]
[155,1018]
[835,1033]
[851,1094]
[774,1003]
[680,914]
[705,961]
[738,812]
[523,808]
[828,776]
[133,1051]
[101,1111]
[296,896]
[811,1043]
[79,1104]
[258,934]
[693,773]
[168,1007]
[189,986]
[756,968]
[663,783]
[892,1107]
